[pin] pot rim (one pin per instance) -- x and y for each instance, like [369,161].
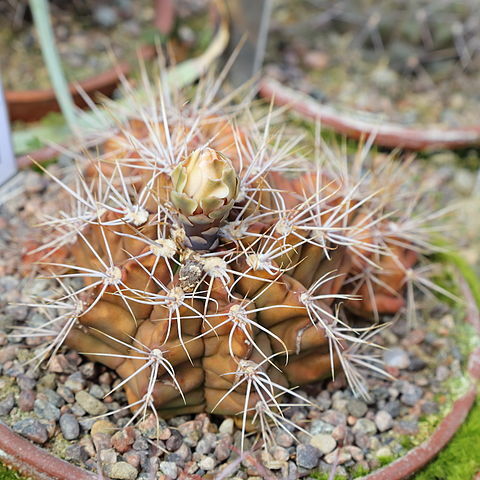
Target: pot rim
[357,125]
[30,105]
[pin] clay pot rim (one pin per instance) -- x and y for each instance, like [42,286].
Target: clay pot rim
[354,125]
[30,105]
[29,459]
[89,85]
[421,455]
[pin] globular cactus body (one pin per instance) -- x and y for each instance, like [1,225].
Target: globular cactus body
[213,272]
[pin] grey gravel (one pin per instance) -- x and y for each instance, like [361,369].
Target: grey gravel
[44,409]
[396,357]
[319,426]
[411,394]
[357,408]
[383,421]
[364,426]
[75,382]
[358,431]
[69,426]
[169,469]
[307,456]
[31,429]
[325,443]
[90,404]
[7,404]
[393,408]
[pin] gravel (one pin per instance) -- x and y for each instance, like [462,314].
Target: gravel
[411,394]
[7,404]
[169,469]
[90,404]
[323,442]
[32,429]
[307,456]
[121,471]
[52,406]
[383,420]
[357,408]
[69,426]
[44,409]
[396,357]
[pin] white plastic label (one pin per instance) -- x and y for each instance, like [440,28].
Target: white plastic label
[8,166]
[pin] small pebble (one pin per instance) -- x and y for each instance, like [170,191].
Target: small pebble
[103,426]
[207,463]
[393,408]
[123,440]
[69,426]
[7,404]
[226,426]
[44,409]
[133,458]
[90,404]
[319,426]
[108,456]
[26,400]
[383,421]
[334,418]
[75,382]
[383,452]
[357,408]
[169,469]
[283,439]
[411,394]
[121,471]
[339,456]
[223,449]
[325,443]
[396,357]
[307,456]
[31,429]
[364,426]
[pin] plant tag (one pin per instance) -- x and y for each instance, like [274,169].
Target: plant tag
[8,166]
[251,22]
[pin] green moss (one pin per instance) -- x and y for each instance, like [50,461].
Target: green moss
[7,474]
[360,471]
[325,476]
[386,460]
[460,460]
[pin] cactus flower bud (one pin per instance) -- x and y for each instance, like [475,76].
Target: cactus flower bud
[204,189]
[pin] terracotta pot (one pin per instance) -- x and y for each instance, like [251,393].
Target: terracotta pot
[355,125]
[32,105]
[38,464]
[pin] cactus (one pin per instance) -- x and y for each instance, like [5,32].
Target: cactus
[220,269]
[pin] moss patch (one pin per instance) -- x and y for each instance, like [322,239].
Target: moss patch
[7,474]
[460,460]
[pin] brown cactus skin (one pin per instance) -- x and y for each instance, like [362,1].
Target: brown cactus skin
[207,353]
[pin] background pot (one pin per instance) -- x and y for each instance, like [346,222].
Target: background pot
[356,125]
[32,105]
